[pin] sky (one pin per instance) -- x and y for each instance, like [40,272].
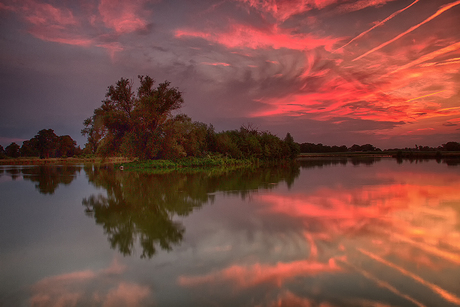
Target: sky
[336,72]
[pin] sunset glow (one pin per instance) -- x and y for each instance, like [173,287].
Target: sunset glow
[410,217]
[332,72]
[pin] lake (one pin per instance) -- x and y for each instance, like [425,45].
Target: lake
[322,232]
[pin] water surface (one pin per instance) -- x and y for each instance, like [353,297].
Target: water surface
[318,233]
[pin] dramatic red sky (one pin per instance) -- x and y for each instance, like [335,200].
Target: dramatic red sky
[327,71]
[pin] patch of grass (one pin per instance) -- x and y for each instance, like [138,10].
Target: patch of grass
[185,163]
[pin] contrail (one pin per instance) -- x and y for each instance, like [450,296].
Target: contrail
[438,290]
[439,12]
[377,25]
[427,57]
[453,257]
[382,283]
[425,95]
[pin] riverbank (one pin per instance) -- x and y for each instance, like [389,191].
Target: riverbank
[191,162]
[64,161]
[403,154]
[219,161]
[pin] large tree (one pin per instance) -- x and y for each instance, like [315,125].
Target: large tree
[46,142]
[12,150]
[130,123]
[66,146]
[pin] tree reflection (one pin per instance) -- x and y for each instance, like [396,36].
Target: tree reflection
[48,178]
[328,161]
[140,208]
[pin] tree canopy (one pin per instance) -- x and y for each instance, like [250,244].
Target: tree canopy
[131,124]
[142,124]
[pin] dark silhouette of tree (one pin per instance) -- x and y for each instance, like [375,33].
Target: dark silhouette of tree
[451,146]
[320,148]
[30,148]
[66,146]
[46,142]
[294,148]
[12,150]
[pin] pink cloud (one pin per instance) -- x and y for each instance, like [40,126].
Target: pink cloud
[45,14]
[123,16]
[215,64]
[57,36]
[52,23]
[361,4]
[249,276]
[127,294]
[283,10]
[112,48]
[244,36]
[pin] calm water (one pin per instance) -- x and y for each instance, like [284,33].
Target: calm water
[322,233]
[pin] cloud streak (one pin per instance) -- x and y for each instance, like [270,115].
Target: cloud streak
[439,12]
[380,23]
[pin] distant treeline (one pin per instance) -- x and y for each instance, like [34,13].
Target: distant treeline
[320,148]
[45,144]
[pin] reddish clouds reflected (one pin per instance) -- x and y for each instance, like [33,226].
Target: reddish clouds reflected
[412,217]
[89,288]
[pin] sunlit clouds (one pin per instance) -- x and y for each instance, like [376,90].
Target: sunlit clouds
[376,71]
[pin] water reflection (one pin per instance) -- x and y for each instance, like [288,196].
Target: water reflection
[47,178]
[319,233]
[141,207]
[371,238]
[328,161]
[90,288]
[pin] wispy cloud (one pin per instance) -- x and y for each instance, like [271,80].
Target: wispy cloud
[124,16]
[90,287]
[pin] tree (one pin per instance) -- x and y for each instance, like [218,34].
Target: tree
[66,146]
[94,130]
[30,148]
[12,150]
[294,148]
[133,124]
[451,146]
[47,142]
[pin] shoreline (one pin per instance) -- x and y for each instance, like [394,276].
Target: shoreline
[63,161]
[210,162]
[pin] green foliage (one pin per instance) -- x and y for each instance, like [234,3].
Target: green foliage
[142,125]
[135,125]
